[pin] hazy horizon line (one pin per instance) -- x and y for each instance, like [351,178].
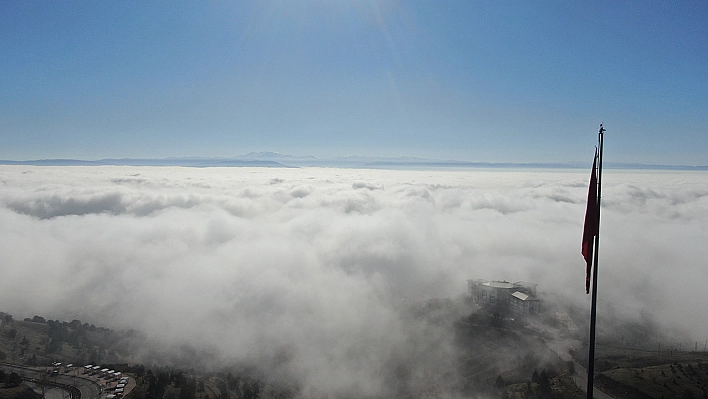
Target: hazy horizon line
[278,160]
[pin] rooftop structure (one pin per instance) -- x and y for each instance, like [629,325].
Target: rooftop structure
[503,296]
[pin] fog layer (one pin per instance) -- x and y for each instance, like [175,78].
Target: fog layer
[306,271]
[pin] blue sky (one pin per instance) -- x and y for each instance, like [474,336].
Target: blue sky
[477,81]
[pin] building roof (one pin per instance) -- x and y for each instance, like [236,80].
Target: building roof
[523,296]
[498,284]
[520,295]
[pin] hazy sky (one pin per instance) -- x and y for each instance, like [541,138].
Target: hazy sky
[466,80]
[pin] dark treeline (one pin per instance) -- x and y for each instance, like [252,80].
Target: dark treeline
[39,342]
[175,384]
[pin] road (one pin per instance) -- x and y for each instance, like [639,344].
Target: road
[580,377]
[561,347]
[60,385]
[49,392]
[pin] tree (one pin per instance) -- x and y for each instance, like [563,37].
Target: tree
[176,378]
[156,384]
[234,383]
[189,389]
[95,356]
[544,385]
[543,378]
[223,389]
[14,380]
[53,346]
[74,338]
[247,391]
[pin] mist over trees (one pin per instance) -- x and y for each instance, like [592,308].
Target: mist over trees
[312,274]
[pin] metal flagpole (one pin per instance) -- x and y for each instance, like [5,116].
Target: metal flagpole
[593,308]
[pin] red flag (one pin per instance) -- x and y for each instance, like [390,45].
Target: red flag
[591,224]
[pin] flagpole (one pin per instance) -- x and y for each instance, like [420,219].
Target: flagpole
[593,308]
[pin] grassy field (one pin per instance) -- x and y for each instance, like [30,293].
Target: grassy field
[630,373]
[21,392]
[561,387]
[634,373]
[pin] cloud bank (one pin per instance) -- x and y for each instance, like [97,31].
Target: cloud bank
[306,270]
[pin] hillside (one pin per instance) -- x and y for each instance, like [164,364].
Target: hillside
[634,373]
[39,342]
[472,350]
[491,355]
[21,392]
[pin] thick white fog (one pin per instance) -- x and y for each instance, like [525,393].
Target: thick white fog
[306,270]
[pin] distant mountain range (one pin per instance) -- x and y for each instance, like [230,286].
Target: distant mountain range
[278,160]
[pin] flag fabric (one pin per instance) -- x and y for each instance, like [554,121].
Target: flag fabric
[591,224]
